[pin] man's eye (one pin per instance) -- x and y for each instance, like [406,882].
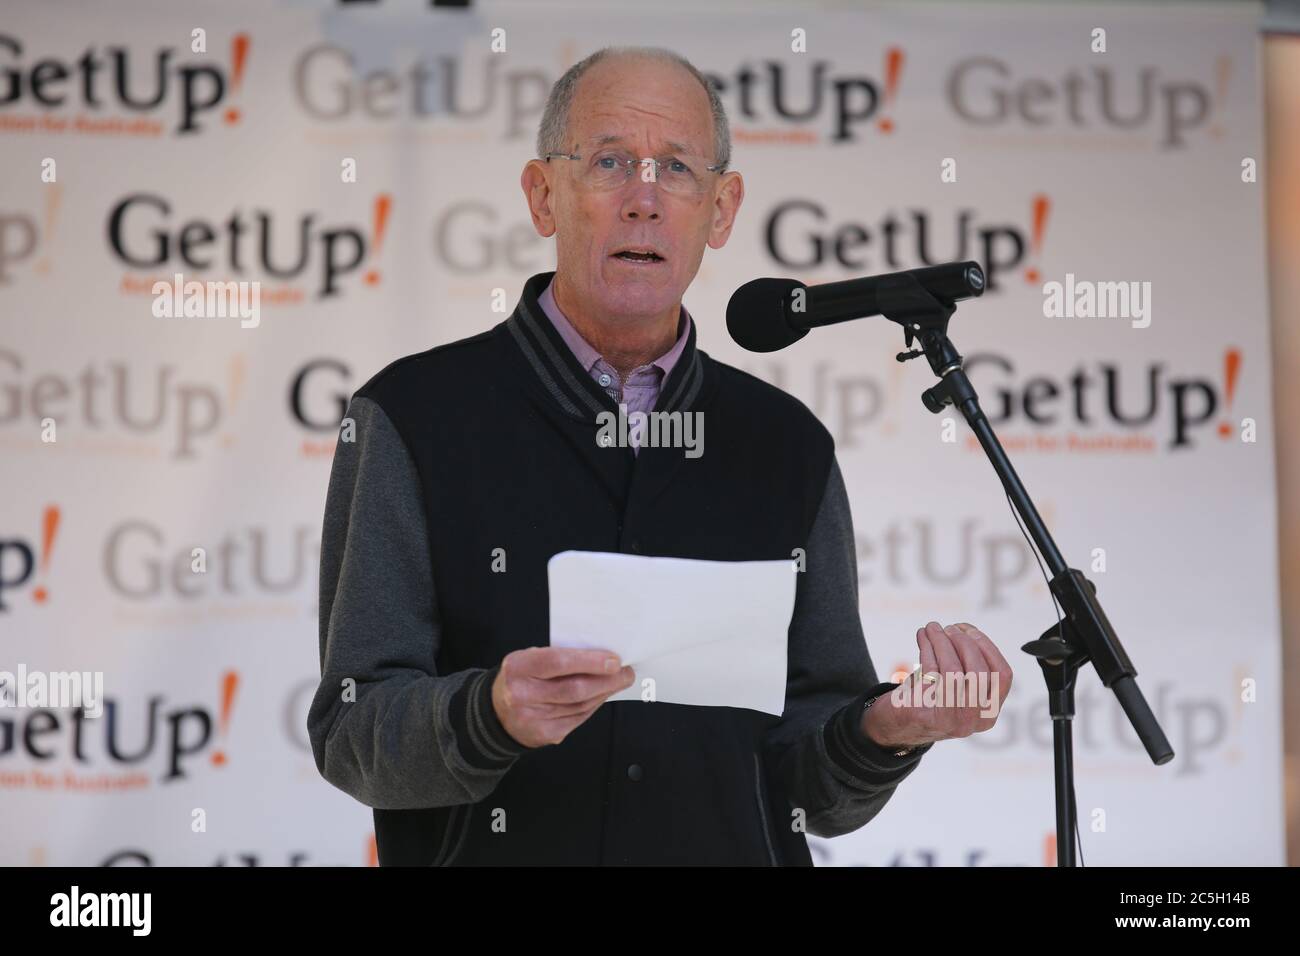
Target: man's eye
[608,162]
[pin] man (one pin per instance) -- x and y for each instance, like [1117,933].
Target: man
[441,703]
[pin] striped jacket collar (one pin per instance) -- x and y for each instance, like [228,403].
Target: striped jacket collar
[562,375]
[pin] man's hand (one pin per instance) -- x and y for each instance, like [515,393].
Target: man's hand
[973,681]
[542,693]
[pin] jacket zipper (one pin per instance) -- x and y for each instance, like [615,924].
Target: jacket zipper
[762,809]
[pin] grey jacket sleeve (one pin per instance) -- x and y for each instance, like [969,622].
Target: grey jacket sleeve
[385,726]
[839,776]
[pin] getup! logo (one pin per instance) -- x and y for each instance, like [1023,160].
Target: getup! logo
[120,89]
[333,83]
[1111,405]
[117,407]
[988,92]
[829,106]
[132,745]
[800,234]
[146,232]
[143,564]
[25,236]
[318,393]
[25,564]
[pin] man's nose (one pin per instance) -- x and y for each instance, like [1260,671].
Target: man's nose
[641,199]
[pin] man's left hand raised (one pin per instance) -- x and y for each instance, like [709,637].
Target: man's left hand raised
[969,680]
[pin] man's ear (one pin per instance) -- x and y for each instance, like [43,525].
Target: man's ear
[726,205]
[537,193]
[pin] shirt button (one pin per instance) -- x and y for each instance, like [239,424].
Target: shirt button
[604,379]
[634,772]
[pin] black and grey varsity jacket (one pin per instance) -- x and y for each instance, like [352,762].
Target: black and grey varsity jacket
[486,448]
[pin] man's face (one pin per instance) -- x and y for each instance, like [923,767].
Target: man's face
[653,109]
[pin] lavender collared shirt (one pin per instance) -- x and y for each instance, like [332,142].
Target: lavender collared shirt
[641,390]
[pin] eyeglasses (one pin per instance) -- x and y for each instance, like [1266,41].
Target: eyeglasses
[610,169]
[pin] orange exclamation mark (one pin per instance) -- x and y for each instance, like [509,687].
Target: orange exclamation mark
[1041,205]
[229,682]
[49,526]
[568,55]
[1222,72]
[1049,850]
[372,851]
[237,375]
[238,57]
[383,203]
[52,198]
[893,67]
[1231,371]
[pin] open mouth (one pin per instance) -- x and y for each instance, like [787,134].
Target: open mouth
[633,255]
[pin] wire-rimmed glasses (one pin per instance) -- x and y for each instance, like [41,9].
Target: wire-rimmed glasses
[608,169]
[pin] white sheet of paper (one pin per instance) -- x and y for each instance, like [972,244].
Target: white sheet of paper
[712,633]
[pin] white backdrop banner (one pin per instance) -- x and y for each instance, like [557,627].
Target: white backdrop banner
[164,477]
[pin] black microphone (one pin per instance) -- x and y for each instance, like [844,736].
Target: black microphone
[768,314]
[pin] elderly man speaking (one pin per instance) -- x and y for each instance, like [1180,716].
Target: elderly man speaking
[441,704]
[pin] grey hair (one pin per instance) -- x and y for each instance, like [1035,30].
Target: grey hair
[555,118]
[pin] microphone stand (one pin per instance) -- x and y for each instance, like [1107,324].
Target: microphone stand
[1085,634]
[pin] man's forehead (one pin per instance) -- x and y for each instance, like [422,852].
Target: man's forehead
[615,139]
